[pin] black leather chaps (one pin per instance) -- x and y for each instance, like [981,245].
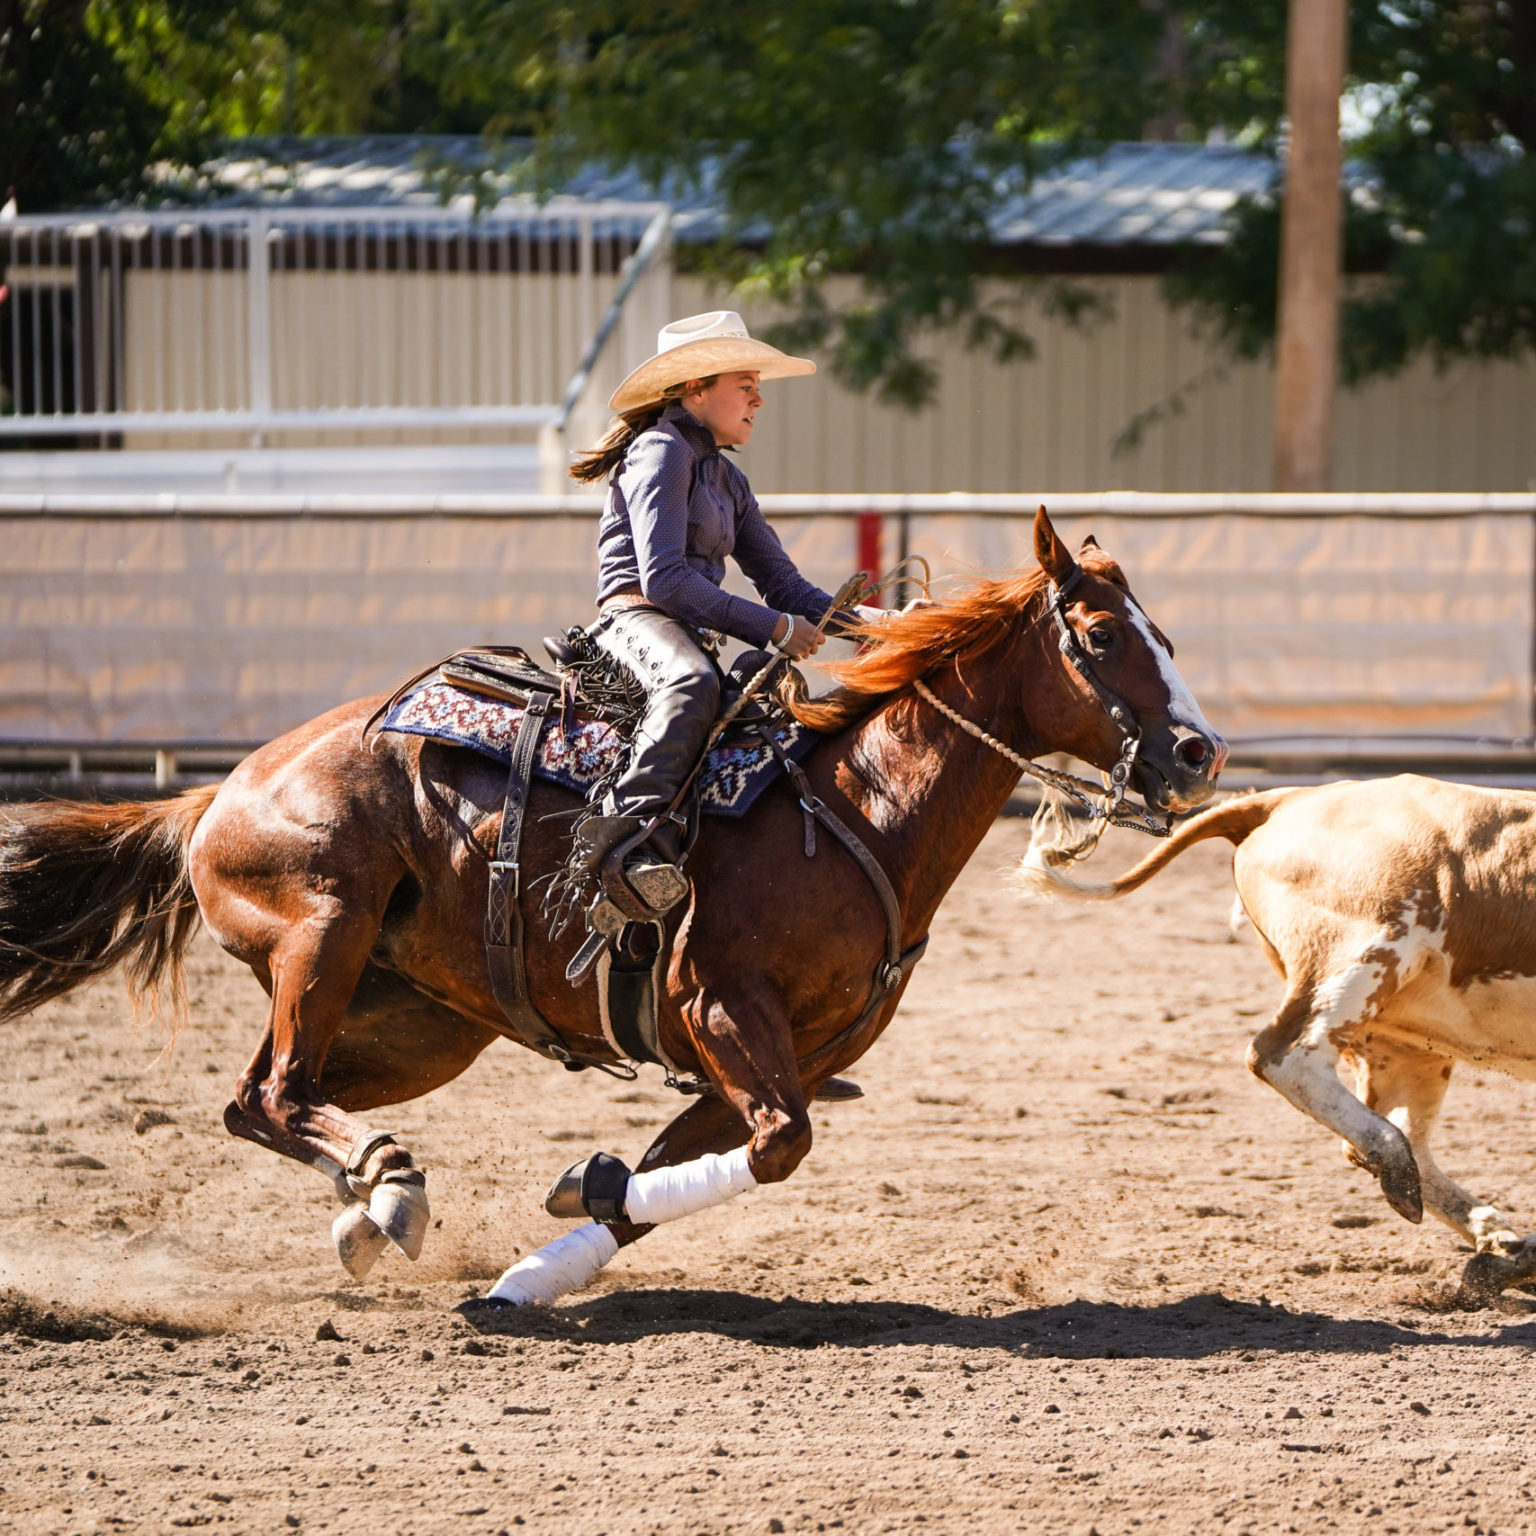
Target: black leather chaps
[682,688]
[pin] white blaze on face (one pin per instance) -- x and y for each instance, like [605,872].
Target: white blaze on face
[1181,702]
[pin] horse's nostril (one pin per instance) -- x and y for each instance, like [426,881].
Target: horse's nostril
[1192,752]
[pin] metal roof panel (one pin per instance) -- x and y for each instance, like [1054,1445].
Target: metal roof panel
[1129,194]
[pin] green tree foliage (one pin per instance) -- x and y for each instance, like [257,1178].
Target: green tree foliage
[876,136]
[76,125]
[1441,216]
[873,136]
[97,96]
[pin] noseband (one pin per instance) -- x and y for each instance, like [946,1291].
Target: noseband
[1105,807]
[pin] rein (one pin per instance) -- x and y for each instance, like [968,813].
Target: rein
[1105,807]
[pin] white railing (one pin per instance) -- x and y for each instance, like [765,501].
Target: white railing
[267,320]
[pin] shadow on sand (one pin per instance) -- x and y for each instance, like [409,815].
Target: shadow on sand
[1192,1328]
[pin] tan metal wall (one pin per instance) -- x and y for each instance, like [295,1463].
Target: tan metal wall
[357,338]
[440,339]
[1051,423]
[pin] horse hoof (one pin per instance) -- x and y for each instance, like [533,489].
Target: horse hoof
[1487,1274]
[485,1306]
[399,1209]
[359,1240]
[563,1197]
[837,1090]
[1484,1276]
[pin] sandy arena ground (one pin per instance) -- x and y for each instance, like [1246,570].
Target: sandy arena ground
[1066,1268]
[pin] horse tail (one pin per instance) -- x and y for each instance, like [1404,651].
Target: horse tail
[1037,875]
[86,888]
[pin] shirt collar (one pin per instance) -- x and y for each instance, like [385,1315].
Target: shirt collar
[690,428]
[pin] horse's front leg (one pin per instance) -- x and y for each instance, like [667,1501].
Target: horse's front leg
[757,1132]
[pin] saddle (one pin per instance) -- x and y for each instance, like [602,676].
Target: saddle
[628,961]
[628,953]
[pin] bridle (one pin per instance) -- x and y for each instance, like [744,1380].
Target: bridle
[1107,805]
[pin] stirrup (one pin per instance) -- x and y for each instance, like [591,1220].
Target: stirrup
[658,884]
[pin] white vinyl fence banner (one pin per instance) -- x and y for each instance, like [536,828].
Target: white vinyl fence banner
[211,630]
[1314,626]
[192,624]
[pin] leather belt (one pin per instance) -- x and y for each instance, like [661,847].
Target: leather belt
[616,601]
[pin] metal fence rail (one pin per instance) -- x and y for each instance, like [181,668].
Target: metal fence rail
[262,320]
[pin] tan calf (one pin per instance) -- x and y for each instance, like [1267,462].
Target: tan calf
[1402,916]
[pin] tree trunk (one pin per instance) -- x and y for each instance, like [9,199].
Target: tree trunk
[1310,240]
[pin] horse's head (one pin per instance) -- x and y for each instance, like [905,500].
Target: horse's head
[1118,683]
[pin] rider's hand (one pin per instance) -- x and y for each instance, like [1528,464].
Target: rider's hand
[804,638]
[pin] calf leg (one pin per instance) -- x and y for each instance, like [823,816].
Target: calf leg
[758,1131]
[1408,1086]
[1297,1056]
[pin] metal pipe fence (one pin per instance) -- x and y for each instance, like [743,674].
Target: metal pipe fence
[292,319]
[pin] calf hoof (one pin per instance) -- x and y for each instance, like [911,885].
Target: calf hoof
[398,1207]
[1486,1274]
[1400,1184]
[359,1240]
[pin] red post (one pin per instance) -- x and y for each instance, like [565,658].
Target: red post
[871,527]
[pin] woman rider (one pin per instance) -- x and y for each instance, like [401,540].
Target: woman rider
[677,506]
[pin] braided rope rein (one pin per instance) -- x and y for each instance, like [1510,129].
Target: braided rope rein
[1102,810]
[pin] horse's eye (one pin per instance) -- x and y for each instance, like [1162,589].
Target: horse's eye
[1100,638]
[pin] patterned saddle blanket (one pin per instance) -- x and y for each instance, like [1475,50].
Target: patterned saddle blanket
[581,753]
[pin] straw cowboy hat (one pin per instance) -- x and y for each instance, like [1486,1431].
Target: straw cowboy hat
[698,347]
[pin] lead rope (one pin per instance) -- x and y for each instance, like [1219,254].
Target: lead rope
[1105,808]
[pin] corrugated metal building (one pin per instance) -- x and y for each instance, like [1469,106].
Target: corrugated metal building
[404,339]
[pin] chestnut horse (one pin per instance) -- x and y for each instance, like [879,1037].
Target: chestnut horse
[350,873]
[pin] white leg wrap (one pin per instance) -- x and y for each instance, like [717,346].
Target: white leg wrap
[563,1265]
[664,1194]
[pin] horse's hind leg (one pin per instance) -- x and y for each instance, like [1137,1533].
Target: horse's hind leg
[314,970]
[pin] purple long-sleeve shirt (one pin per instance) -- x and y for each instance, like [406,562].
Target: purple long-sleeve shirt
[676,509]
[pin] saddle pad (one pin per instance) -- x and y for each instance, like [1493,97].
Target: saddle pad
[578,754]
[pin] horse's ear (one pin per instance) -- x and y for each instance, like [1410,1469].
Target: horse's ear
[1088,543]
[1052,554]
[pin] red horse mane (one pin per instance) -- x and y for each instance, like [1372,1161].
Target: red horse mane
[897,650]
[906,646]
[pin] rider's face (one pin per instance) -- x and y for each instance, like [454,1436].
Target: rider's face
[727,407]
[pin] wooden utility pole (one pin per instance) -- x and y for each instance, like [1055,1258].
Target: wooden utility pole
[1310,246]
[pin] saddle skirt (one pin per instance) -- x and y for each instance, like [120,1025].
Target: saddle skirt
[577,754]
